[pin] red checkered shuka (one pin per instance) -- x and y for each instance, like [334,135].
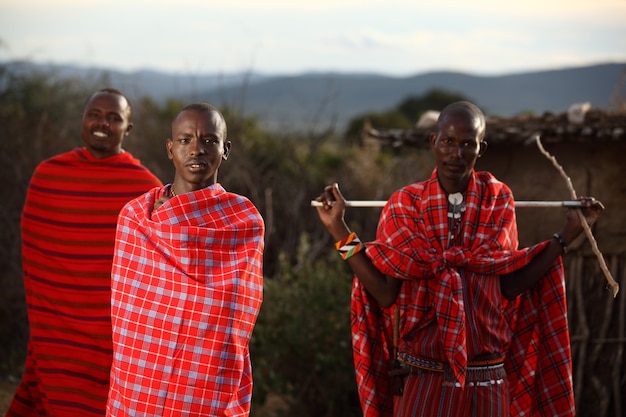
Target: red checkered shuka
[411,245]
[187,285]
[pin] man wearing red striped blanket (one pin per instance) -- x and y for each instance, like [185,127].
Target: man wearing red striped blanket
[68,232]
[187,285]
[482,323]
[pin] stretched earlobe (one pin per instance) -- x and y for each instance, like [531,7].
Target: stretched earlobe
[483,148]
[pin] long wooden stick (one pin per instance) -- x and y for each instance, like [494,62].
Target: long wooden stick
[594,245]
[381,203]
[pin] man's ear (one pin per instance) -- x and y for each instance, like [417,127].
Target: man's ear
[168,147]
[227,145]
[128,129]
[483,148]
[432,138]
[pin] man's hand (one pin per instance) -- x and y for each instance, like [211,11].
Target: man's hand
[332,211]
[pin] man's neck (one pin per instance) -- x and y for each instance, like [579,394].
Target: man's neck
[101,154]
[451,187]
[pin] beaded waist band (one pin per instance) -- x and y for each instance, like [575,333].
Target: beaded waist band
[434,366]
[479,373]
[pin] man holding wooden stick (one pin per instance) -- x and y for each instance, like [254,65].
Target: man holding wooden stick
[482,324]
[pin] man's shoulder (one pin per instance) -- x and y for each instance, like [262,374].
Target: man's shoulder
[406,197]
[413,189]
[139,171]
[58,161]
[241,205]
[128,158]
[486,176]
[241,200]
[493,183]
[64,156]
[146,199]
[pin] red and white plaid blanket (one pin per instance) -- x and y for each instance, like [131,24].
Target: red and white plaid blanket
[410,245]
[187,286]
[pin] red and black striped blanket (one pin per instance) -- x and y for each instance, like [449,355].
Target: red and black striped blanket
[68,232]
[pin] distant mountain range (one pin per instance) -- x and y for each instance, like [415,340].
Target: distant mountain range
[313,101]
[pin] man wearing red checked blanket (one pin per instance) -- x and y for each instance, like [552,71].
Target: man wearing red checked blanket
[482,323]
[187,285]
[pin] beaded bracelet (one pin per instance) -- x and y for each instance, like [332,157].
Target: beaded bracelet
[561,241]
[349,246]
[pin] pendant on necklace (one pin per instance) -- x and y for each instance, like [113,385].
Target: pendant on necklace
[454,216]
[455,199]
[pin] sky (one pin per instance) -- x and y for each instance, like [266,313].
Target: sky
[291,37]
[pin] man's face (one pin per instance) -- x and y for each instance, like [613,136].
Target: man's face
[197,149]
[106,121]
[457,145]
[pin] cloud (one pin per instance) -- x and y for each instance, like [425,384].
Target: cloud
[293,36]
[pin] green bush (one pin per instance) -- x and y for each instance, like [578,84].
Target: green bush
[301,347]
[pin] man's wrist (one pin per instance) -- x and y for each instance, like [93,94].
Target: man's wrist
[561,241]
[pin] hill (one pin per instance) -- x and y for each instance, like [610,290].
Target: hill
[330,100]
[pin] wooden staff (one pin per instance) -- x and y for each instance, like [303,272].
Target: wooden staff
[573,203]
[594,245]
[381,203]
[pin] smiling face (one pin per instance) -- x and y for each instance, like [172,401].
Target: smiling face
[106,121]
[457,144]
[197,148]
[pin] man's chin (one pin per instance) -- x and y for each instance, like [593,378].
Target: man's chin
[455,174]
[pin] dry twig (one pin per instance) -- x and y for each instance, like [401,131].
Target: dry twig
[594,245]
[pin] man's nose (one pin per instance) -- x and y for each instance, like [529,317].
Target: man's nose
[103,120]
[456,150]
[197,147]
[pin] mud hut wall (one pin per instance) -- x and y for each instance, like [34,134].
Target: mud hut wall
[595,169]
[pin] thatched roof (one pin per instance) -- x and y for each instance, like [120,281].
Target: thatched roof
[584,125]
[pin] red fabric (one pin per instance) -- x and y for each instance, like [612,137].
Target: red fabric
[474,400]
[411,245]
[68,231]
[187,286]
[372,341]
[539,367]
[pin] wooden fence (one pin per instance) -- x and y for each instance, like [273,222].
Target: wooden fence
[597,323]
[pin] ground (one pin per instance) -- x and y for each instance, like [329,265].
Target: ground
[7,389]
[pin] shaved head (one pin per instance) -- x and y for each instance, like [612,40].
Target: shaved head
[464,109]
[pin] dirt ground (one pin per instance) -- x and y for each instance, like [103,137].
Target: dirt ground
[7,389]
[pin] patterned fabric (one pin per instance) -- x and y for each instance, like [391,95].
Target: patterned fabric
[440,297]
[68,232]
[539,365]
[187,286]
[470,401]
[372,344]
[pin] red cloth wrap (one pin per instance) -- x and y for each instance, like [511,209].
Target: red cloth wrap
[411,245]
[68,233]
[187,286]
